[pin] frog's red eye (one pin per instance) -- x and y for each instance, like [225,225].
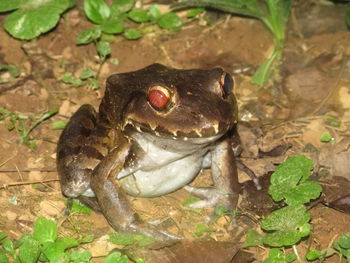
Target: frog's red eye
[158,97]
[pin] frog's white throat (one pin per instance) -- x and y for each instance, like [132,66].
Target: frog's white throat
[163,165]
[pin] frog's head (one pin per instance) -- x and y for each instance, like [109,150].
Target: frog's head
[180,104]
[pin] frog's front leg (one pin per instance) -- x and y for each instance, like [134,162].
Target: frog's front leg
[224,173]
[112,199]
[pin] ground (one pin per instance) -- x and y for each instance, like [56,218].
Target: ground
[311,96]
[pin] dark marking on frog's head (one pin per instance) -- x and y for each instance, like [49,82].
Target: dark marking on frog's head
[175,103]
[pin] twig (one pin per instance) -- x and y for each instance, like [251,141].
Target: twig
[7,160]
[19,83]
[5,186]
[25,170]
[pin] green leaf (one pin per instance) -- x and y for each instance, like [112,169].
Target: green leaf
[277,18]
[139,15]
[295,169]
[343,245]
[122,6]
[190,201]
[132,34]
[289,217]
[68,78]
[45,230]
[303,193]
[313,255]
[96,10]
[8,5]
[347,15]
[241,7]
[88,36]
[7,244]
[2,235]
[27,23]
[79,208]
[113,25]
[94,84]
[169,21]
[87,73]
[154,12]
[326,137]
[344,241]
[202,229]
[191,13]
[289,181]
[103,49]
[116,257]
[130,239]
[277,256]
[44,117]
[86,239]
[286,226]
[55,250]
[3,257]
[263,73]
[29,250]
[253,239]
[79,256]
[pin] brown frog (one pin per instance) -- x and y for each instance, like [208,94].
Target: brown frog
[155,130]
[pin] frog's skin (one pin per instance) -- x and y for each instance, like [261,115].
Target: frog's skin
[150,145]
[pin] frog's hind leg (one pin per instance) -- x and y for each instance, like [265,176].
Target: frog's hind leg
[73,171]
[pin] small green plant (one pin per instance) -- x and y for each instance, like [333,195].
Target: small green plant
[32,18]
[277,255]
[121,17]
[274,15]
[343,246]
[116,257]
[112,20]
[87,77]
[287,226]
[43,245]
[202,229]
[326,137]
[16,122]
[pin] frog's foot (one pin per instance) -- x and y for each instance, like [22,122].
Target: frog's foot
[212,197]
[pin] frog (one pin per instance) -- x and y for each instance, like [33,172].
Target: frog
[155,130]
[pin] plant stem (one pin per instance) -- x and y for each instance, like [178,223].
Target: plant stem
[297,254]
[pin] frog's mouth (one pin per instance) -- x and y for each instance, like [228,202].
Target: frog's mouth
[204,135]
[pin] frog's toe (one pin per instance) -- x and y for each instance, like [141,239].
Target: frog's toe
[211,197]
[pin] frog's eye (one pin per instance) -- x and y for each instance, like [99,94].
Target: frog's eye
[158,97]
[226,84]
